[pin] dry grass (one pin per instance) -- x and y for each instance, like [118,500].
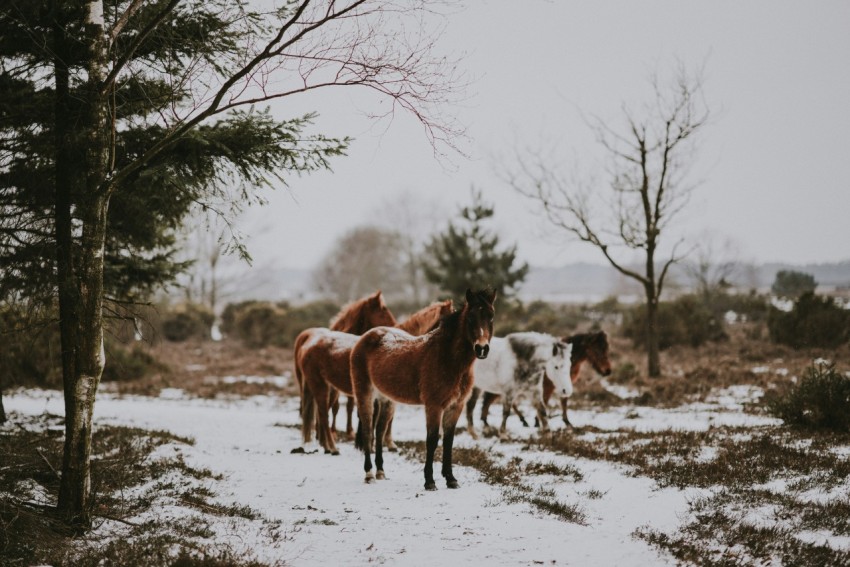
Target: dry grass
[127,483]
[198,367]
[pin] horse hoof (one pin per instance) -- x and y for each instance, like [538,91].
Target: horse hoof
[392,449]
[452,484]
[431,485]
[297,450]
[370,477]
[334,452]
[380,475]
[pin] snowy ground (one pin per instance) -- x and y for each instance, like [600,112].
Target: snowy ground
[328,516]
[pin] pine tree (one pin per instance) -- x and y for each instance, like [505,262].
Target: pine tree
[117,115]
[467,255]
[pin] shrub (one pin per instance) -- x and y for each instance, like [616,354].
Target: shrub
[129,364]
[820,401]
[813,322]
[260,325]
[789,283]
[556,319]
[186,322]
[684,321]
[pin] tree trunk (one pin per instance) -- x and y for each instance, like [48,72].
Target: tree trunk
[652,342]
[2,409]
[80,268]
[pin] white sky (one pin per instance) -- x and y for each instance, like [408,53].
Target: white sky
[775,162]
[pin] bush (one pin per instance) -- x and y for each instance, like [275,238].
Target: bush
[684,321]
[813,322]
[820,401]
[186,322]
[129,364]
[556,319]
[260,325]
[789,283]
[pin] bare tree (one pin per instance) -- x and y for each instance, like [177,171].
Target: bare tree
[301,46]
[362,260]
[714,264]
[648,161]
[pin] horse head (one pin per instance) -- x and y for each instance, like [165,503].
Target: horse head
[591,347]
[377,313]
[478,315]
[558,368]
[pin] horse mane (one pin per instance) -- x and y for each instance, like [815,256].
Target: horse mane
[416,323]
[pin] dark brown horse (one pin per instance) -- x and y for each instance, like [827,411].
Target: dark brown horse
[355,318]
[325,369]
[434,370]
[586,347]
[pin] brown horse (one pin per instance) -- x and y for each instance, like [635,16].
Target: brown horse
[434,370]
[417,324]
[325,369]
[586,347]
[355,318]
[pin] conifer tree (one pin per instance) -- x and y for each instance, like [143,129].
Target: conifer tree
[467,255]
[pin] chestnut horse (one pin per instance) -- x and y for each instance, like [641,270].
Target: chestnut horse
[355,318]
[325,369]
[418,323]
[434,370]
[586,347]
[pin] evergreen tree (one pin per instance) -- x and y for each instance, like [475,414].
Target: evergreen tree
[117,115]
[467,255]
[793,284]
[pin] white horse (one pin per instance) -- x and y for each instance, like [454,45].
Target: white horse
[515,367]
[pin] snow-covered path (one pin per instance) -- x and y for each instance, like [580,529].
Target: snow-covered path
[331,517]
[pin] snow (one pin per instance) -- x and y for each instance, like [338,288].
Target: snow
[329,516]
[316,510]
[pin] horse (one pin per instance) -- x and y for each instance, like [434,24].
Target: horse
[355,318]
[434,370]
[586,347]
[517,366]
[325,368]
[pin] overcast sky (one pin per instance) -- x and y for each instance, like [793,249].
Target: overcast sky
[774,162]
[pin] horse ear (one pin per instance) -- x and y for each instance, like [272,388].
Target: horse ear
[469,295]
[492,296]
[555,348]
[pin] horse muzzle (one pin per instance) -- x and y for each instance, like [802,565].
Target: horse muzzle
[481,351]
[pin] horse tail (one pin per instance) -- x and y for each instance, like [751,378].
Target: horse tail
[359,437]
[308,413]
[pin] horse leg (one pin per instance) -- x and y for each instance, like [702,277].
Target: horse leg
[507,403]
[349,409]
[334,405]
[433,415]
[388,436]
[470,410]
[362,385]
[323,431]
[519,415]
[486,400]
[541,412]
[386,410]
[564,402]
[450,417]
